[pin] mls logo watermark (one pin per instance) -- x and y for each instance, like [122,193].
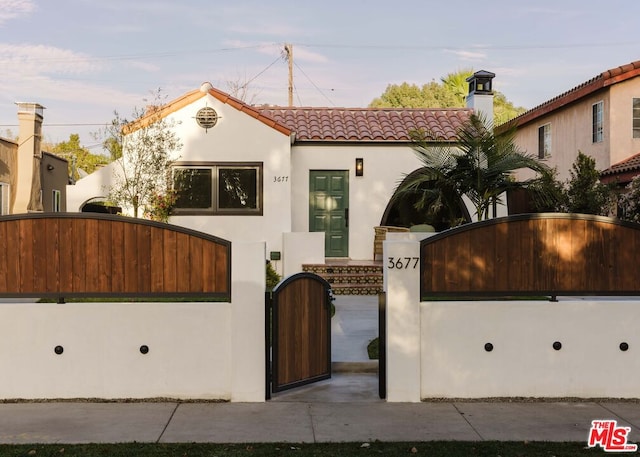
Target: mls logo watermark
[610,437]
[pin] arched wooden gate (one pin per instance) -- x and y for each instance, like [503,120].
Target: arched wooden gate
[298,319]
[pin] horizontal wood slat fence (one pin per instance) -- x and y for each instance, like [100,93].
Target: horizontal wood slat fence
[95,255]
[533,254]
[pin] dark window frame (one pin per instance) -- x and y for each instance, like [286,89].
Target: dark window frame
[635,116]
[544,147]
[597,122]
[5,198]
[56,201]
[215,208]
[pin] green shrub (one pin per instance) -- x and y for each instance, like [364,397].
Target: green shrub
[373,349]
[273,277]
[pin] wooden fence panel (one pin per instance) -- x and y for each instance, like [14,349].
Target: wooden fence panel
[533,254]
[80,254]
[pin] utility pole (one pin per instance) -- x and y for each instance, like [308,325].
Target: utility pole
[288,49]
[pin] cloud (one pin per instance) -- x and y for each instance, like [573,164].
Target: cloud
[304,54]
[27,60]
[469,56]
[145,66]
[300,53]
[10,9]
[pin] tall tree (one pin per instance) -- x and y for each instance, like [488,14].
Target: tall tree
[148,146]
[79,157]
[405,95]
[480,167]
[584,192]
[450,93]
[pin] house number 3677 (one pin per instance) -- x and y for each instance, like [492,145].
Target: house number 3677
[280,178]
[403,263]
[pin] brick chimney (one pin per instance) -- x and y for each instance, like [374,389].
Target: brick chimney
[480,97]
[29,181]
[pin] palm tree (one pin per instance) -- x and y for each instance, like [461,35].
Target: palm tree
[457,84]
[480,167]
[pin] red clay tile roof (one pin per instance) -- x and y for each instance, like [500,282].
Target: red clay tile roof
[603,80]
[622,171]
[333,124]
[367,124]
[194,95]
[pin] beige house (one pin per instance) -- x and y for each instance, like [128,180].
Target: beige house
[31,180]
[600,118]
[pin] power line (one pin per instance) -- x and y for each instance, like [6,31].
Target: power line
[314,84]
[515,47]
[159,55]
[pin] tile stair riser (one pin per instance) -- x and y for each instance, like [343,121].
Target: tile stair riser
[350,279]
[322,270]
[353,279]
[356,290]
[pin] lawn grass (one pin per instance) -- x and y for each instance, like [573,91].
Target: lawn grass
[430,448]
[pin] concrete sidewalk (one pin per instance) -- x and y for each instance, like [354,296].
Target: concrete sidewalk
[308,422]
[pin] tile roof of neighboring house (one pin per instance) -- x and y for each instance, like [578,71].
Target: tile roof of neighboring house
[367,124]
[622,171]
[603,80]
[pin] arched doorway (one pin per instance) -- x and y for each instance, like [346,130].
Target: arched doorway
[100,205]
[402,211]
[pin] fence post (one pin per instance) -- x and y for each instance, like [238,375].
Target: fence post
[247,308]
[402,270]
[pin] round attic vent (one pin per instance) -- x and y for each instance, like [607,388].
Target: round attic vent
[206,117]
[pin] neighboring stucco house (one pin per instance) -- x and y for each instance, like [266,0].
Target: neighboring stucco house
[277,174]
[31,180]
[600,118]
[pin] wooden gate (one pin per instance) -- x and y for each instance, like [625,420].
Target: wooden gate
[299,336]
[533,254]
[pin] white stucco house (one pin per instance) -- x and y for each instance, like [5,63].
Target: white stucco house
[289,175]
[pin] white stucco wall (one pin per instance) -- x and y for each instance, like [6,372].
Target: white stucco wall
[523,362]
[437,349]
[301,248]
[95,185]
[237,137]
[202,350]
[384,167]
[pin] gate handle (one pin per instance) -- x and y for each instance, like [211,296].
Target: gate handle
[346,217]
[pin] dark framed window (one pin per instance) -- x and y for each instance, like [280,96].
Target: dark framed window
[218,188]
[4,198]
[636,117]
[56,201]
[598,122]
[544,141]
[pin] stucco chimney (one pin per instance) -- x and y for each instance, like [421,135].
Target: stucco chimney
[480,97]
[29,183]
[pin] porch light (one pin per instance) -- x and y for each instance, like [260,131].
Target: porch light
[359,167]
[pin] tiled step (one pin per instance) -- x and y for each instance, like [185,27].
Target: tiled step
[350,278]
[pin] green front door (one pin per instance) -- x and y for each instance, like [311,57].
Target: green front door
[329,209]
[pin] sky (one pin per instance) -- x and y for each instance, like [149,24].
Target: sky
[84,59]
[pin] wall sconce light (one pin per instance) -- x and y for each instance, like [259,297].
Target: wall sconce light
[359,167]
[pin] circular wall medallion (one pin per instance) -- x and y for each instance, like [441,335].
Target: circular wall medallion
[206,117]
